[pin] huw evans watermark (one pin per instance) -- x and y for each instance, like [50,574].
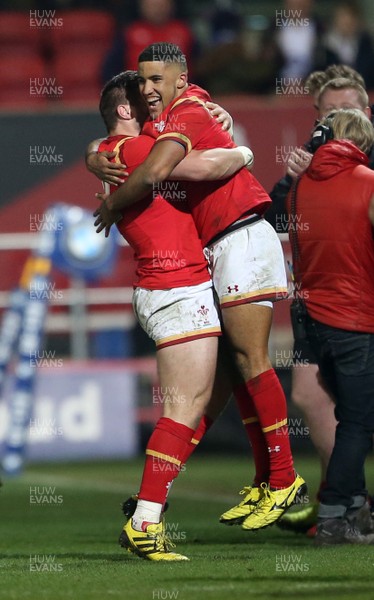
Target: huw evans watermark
[42,495]
[45,156]
[291,18]
[45,19]
[44,563]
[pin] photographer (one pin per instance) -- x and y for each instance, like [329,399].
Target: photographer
[334,264]
[329,92]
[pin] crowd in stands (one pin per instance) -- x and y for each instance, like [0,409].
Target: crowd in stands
[81,44]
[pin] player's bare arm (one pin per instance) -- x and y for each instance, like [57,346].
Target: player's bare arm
[214,164]
[100,165]
[157,167]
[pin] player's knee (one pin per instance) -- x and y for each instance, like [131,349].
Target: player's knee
[251,364]
[188,414]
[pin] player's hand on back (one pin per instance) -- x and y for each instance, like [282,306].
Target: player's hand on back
[298,162]
[105,218]
[221,115]
[99,164]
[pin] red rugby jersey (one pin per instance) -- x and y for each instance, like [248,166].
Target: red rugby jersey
[162,233]
[214,204]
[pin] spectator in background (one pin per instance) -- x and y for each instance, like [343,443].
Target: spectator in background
[234,61]
[333,261]
[156,23]
[348,42]
[225,23]
[308,394]
[61,5]
[316,80]
[347,86]
[293,41]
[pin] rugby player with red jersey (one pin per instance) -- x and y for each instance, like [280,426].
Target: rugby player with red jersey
[167,249]
[174,303]
[184,121]
[247,267]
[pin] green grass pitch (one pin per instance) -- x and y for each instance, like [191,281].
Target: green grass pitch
[60,524]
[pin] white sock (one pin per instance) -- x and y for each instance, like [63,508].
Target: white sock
[146,511]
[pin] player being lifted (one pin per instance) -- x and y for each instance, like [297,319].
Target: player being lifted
[247,267]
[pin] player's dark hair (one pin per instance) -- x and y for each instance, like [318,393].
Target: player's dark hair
[121,89]
[164,52]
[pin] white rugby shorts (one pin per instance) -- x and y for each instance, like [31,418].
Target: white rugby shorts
[177,315]
[247,265]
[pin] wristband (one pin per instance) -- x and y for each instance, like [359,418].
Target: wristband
[247,156]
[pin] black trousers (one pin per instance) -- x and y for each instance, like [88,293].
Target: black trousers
[346,363]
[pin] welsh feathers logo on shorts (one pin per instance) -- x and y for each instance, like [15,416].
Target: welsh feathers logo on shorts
[203,310]
[203,315]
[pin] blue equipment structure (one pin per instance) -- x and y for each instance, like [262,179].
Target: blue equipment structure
[68,241]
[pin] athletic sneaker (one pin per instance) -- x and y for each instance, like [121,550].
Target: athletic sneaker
[237,514]
[361,519]
[129,506]
[340,531]
[274,503]
[301,519]
[152,544]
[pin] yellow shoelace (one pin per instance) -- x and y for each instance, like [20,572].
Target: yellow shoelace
[163,542]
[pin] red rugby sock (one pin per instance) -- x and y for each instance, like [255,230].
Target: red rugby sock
[205,424]
[271,408]
[254,433]
[165,450]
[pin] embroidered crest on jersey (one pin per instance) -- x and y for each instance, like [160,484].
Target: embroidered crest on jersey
[160,126]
